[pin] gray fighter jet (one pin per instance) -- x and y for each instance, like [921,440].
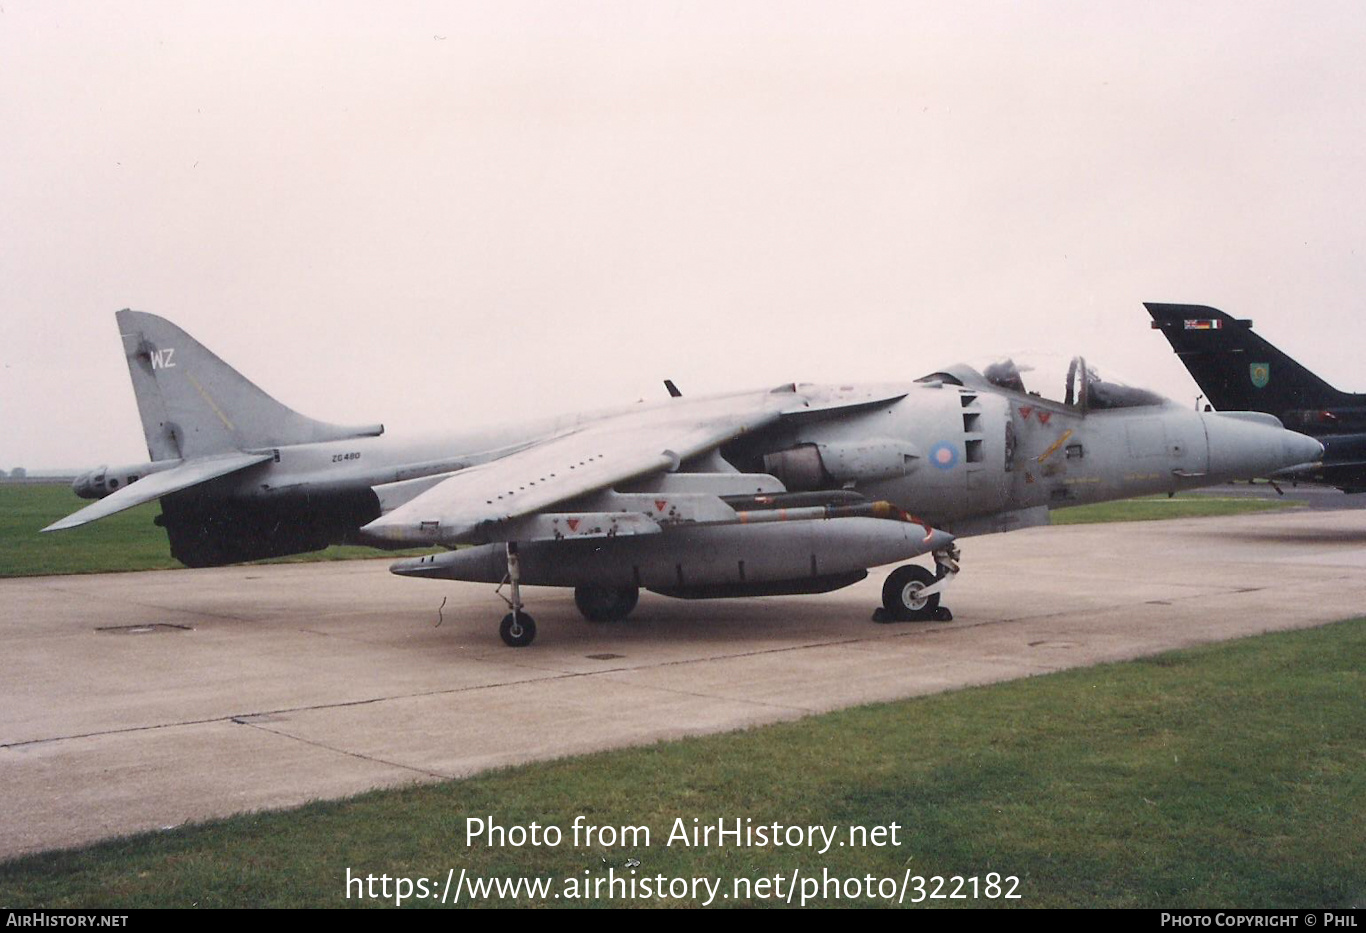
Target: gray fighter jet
[796,489]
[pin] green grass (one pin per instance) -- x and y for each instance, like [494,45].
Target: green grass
[125,541]
[1152,508]
[1228,775]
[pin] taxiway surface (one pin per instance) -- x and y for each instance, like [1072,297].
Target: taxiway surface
[143,700]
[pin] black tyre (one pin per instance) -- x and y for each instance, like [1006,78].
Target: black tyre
[517,629]
[900,594]
[606,603]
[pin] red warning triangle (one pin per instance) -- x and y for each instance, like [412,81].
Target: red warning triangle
[573,523]
[661,504]
[1044,416]
[1026,411]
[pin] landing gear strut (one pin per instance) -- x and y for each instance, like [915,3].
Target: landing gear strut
[517,628]
[911,593]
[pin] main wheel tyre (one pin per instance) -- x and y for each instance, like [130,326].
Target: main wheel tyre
[606,603]
[517,629]
[901,594]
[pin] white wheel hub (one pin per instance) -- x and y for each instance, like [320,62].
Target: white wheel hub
[910,596]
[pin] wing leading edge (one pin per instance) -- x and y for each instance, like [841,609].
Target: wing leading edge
[509,497]
[471,505]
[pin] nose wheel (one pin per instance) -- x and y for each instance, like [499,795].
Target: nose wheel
[903,594]
[911,593]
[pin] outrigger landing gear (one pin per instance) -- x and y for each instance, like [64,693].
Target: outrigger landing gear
[517,628]
[911,593]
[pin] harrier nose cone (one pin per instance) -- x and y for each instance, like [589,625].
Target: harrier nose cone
[1300,448]
[1244,445]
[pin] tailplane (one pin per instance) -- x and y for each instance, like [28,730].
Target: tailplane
[193,404]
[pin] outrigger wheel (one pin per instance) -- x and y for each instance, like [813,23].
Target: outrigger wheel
[606,603]
[901,597]
[517,629]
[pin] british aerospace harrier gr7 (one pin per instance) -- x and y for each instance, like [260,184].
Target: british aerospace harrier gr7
[794,489]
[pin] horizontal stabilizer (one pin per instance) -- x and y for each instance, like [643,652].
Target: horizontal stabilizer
[156,485]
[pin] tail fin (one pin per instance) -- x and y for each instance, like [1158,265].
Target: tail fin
[1236,369]
[195,405]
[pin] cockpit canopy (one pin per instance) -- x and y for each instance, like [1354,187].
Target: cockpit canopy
[1072,382]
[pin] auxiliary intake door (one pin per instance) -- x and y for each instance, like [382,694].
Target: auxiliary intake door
[988,450]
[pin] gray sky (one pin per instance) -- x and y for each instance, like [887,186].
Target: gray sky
[443,214]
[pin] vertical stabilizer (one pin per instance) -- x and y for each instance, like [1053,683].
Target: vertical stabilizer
[193,404]
[1235,368]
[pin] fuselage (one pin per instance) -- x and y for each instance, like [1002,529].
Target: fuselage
[967,458]
[982,455]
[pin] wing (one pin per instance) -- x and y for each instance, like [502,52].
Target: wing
[480,503]
[155,485]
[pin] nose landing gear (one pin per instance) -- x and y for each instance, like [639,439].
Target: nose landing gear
[911,593]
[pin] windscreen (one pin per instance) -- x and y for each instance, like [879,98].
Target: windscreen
[1071,381]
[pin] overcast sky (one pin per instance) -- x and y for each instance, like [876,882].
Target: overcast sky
[444,214]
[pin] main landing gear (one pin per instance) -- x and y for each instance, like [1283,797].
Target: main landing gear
[606,603]
[911,593]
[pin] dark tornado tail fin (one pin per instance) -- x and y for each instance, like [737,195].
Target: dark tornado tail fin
[1236,369]
[195,405]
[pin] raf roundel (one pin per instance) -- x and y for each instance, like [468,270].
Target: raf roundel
[944,456]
